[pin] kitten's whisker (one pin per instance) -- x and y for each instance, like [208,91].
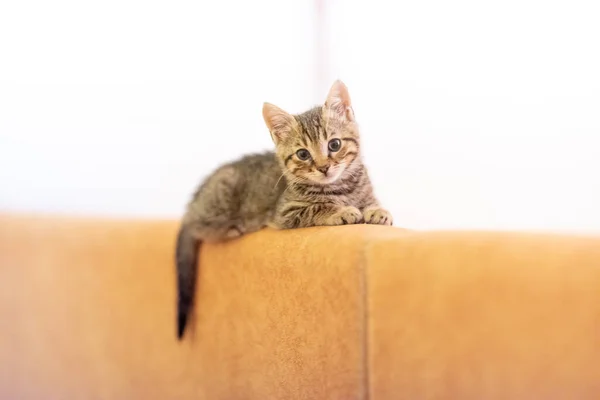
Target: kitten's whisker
[291,181]
[277,183]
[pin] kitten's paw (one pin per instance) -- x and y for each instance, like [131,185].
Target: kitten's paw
[233,232]
[345,216]
[378,216]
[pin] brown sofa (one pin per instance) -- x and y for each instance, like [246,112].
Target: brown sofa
[87,311]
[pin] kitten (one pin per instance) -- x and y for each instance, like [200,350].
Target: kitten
[315,177]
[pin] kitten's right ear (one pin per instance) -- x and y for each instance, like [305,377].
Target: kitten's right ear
[338,102]
[278,121]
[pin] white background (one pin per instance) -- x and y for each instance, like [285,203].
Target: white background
[475,115]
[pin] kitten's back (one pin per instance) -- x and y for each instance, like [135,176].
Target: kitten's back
[239,194]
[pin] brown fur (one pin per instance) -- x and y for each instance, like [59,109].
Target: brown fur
[281,189]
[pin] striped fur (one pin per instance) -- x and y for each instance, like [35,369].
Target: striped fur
[281,190]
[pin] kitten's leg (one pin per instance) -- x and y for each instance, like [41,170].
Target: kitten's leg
[301,215]
[214,213]
[233,232]
[248,225]
[341,216]
[376,215]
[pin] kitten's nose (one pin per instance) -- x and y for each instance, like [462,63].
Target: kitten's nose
[324,169]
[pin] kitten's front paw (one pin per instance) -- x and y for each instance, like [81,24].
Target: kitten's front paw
[345,216]
[378,216]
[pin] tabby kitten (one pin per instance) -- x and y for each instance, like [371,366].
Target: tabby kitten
[315,177]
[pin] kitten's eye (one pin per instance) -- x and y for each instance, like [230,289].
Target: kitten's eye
[334,145]
[303,154]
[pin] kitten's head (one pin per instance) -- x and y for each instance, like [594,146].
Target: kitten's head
[318,145]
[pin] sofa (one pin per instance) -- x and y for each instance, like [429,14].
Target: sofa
[87,311]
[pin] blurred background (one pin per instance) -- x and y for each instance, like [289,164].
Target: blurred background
[474,115]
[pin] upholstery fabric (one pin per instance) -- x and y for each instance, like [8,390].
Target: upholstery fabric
[87,311]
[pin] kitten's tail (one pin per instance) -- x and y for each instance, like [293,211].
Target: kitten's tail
[186,258]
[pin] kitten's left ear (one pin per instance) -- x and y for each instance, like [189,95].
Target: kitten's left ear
[278,121]
[338,101]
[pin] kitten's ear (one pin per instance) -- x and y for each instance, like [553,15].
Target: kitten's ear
[278,121]
[338,102]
